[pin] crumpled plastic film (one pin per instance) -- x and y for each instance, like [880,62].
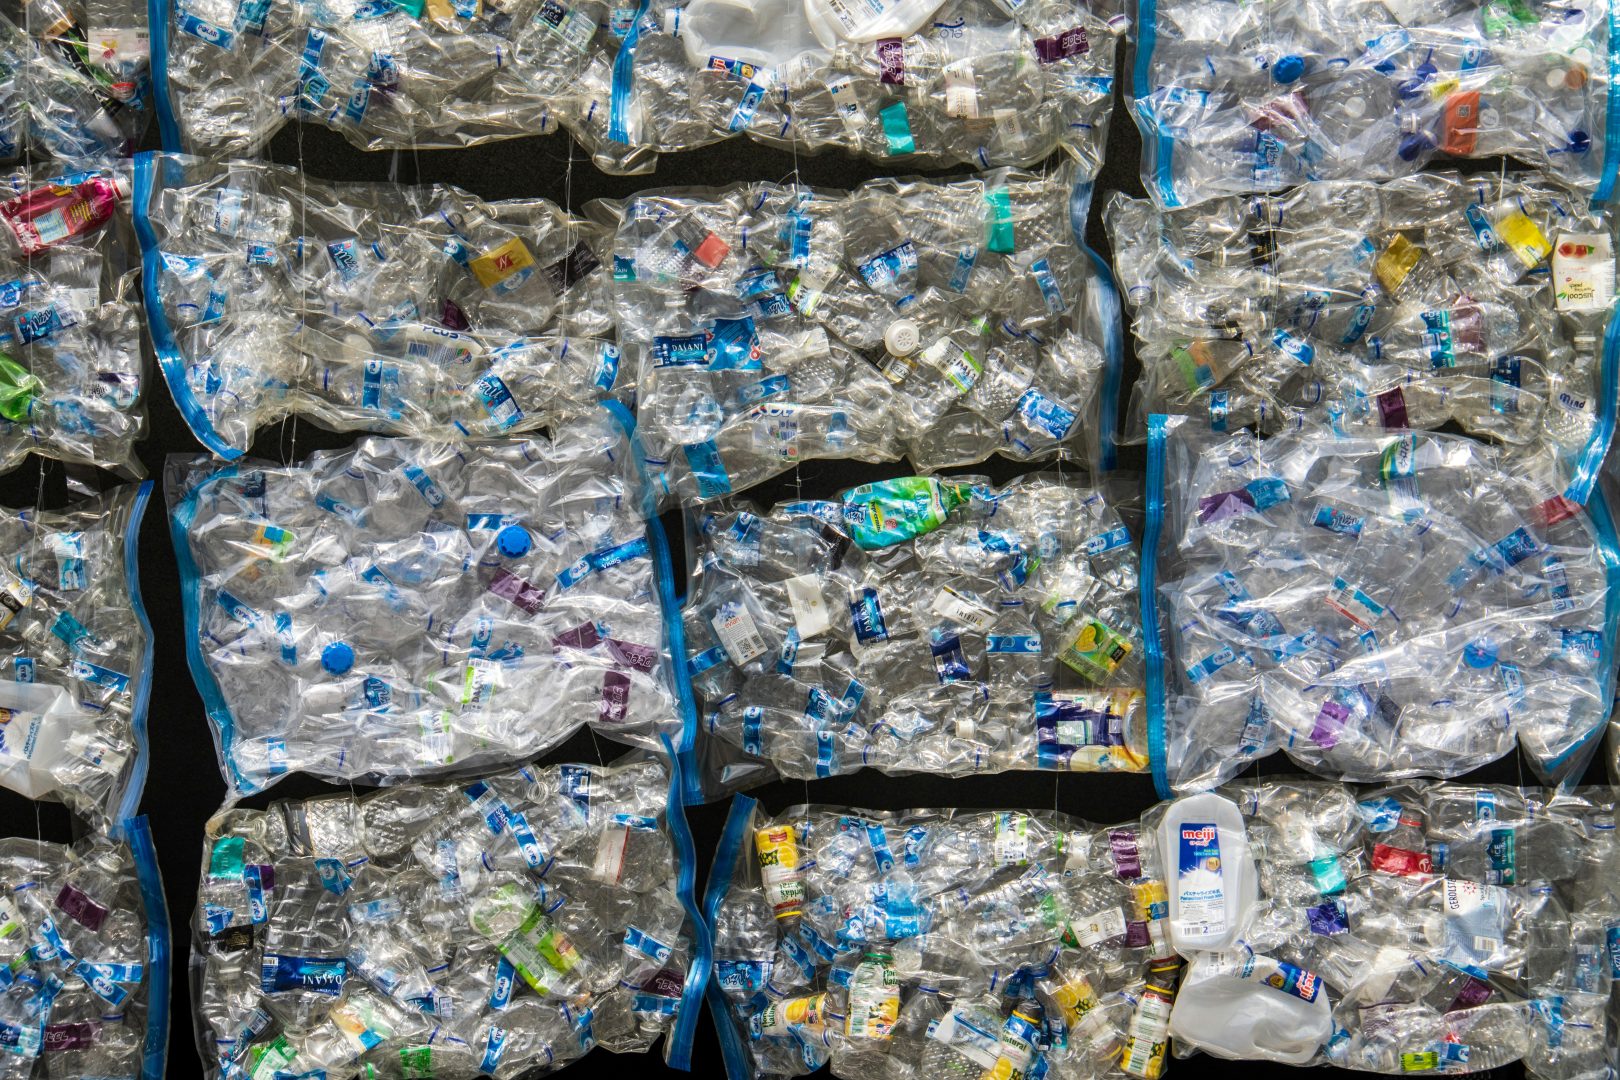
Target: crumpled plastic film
[1234,98]
[418,311]
[1375,608]
[1429,300]
[491,927]
[407,607]
[946,322]
[84,957]
[987,629]
[74,79]
[72,373]
[939,942]
[966,82]
[75,656]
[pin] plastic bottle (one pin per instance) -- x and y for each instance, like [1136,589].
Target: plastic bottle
[1212,881]
[47,217]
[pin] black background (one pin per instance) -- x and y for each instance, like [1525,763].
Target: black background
[185,787]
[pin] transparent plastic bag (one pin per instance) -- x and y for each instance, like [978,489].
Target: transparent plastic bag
[496,927]
[405,608]
[1376,608]
[1428,300]
[1239,97]
[418,311]
[946,322]
[987,629]
[72,370]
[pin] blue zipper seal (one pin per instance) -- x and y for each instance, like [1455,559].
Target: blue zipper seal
[722,874]
[1151,631]
[131,799]
[155,1047]
[1158,144]
[624,67]
[157,15]
[1112,315]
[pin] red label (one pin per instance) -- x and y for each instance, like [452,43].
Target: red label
[1394,860]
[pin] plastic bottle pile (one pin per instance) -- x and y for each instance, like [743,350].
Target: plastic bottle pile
[416,311]
[922,82]
[393,609]
[917,626]
[1376,608]
[1233,98]
[492,927]
[946,322]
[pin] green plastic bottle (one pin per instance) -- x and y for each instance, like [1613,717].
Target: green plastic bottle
[891,512]
[18,388]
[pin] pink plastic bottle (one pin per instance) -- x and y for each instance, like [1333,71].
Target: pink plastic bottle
[53,214]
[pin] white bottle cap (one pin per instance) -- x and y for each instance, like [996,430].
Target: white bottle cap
[902,337]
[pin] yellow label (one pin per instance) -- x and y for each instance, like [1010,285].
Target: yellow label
[493,267]
[1525,237]
[1396,262]
[1075,999]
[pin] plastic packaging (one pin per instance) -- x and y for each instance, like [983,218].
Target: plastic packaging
[1375,608]
[84,943]
[768,325]
[995,629]
[373,307]
[1430,300]
[1259,97]
[75,82]
[75,656]
[937,943]
[969,82]
[491,927]
[407,607]
[72,374]
[1209,873]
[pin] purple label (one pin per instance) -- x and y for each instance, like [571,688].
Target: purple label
[631,655]
[583,636]
[267,876]
[891,54]
[1392,409]
[1072,42]
[508,586]
[453,317]
[80,908]
[75,1036]
[1127,860]
[1136,935]
[1330,721]
[1223,505]
[1328,918]
[1474,992]
[615,696]
[667,982]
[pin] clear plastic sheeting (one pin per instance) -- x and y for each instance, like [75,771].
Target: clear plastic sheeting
[921,625]
[969,81]
[75,656]
[418,311]
[942,321]
[1409,929]
[939,943]
[1375,608]
[84,958]
[1431,300]
[404,607]
[72,373]
[1233,97]
[74,79]
[498,927]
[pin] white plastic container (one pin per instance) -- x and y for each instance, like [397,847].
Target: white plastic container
[1245,1007]
[862,21]
[42,721]
[1212,881]
[764,33]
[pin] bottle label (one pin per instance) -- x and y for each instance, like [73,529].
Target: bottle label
[1583,272]
[866,614]
[1200,879]
[1095,929]
[963,610]
[810,616]
[1394,860]
[496,269]
[1011,845]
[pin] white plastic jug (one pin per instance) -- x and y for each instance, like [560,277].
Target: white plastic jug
[1210,872]
[765,33]
[37,722]
[862,21]
[1245,1006]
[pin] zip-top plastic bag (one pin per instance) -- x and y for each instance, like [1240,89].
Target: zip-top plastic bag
[1375,608]
[74,79]
[75,655]
[921,624]
[72,373]
[1432,299]
[968,81]
[405,608]
[418,311]
[945,943]
[498,927]
[84,957]
[1234,96]
[941,321]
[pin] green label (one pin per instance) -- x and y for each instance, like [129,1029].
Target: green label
[1001,224]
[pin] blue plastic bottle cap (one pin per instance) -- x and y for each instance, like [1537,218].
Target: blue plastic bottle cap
[337,658]
[1479,654]
[513,541]
[1288,69]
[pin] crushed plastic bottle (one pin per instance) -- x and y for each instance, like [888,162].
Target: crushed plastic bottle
[72,376]
[491,927]
[1375,608]
[418,311]
[75,656]
[1428,300]
[401,607]
[767,325]
[1265,96]
[921,624]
